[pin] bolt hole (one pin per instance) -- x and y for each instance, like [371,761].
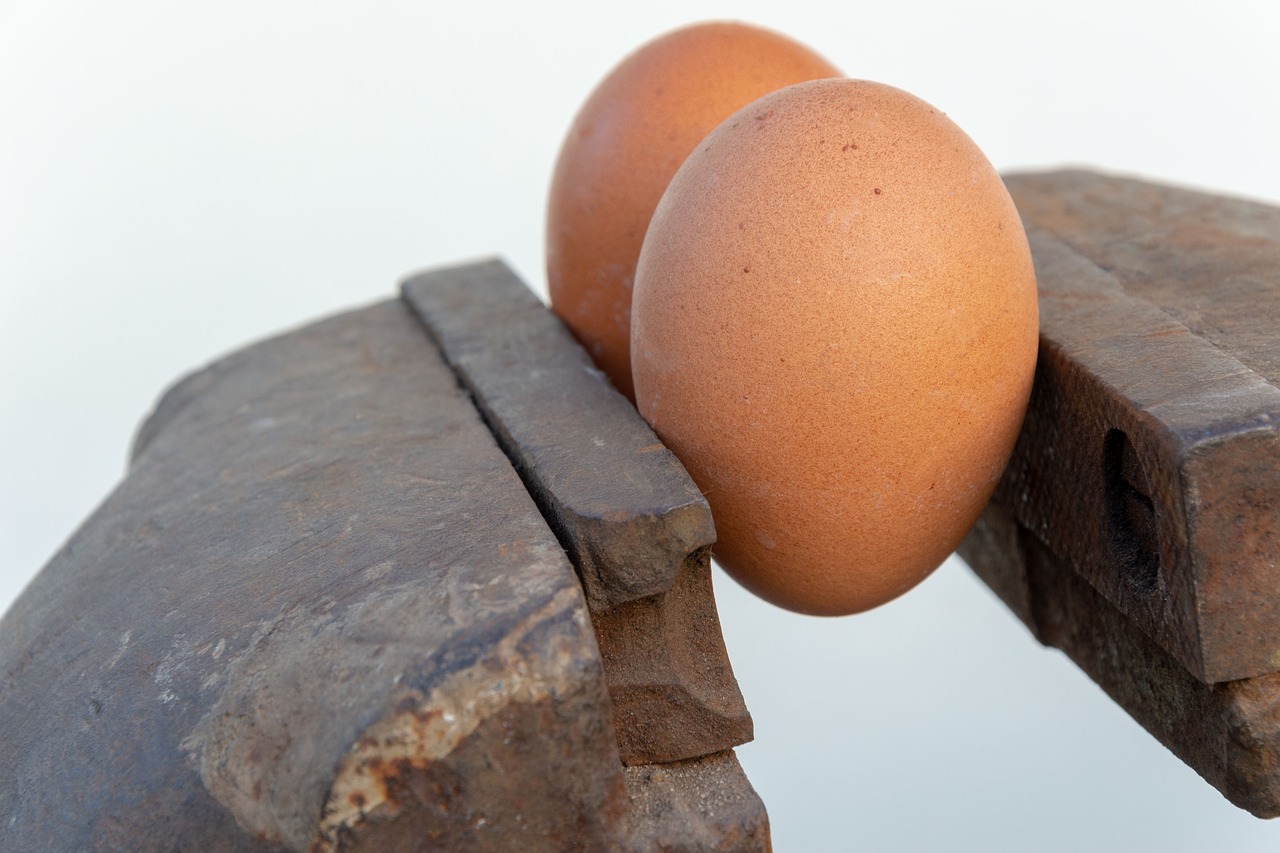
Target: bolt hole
[1131,514]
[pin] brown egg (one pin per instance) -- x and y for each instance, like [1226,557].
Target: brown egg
[834,328]
[623,147]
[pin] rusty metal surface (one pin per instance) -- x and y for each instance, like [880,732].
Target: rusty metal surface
[1137,527]
[322,612]
[636,526]
[1208,261]
[1229,733]
[320,578]
[1149,459]
[702,805]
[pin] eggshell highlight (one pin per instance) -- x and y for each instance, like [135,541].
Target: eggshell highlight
[626,142]
[834,327]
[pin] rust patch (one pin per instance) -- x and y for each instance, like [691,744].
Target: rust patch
[427,727]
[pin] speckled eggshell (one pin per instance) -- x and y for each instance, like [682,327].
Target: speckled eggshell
[834,328]
[626,142]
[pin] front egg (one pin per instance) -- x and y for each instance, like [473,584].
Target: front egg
[834,327]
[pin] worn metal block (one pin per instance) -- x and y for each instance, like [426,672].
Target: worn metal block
[1150,456]
[1138,524]
[322,612]
[637,527]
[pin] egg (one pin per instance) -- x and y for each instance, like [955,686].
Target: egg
[626,142]
[834,327]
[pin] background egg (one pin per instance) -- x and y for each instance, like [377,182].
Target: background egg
[835,328]
[622,149]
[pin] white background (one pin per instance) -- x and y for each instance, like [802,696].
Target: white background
[177,179]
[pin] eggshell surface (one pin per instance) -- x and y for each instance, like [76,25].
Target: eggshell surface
[626,142]
[835,329]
